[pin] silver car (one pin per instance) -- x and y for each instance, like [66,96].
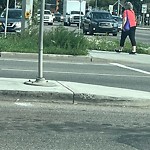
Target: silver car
[13,21]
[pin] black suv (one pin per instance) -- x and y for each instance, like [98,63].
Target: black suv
[99,22]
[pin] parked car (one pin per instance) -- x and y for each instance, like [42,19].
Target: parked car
[48,17]
[13,21]
[58,17]
[119,20]
[97,21]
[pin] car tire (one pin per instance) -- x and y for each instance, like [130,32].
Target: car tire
[90,31]
[84,31]
[65,24]
[114,34]
[50,23]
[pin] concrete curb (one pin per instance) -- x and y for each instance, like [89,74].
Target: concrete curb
[55,57]
[70,98]
[45,56]
[14,90]
[34,96]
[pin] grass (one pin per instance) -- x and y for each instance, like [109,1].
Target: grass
[62,41]
[106,44]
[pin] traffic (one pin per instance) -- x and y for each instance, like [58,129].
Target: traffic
[74,12]
[89,21]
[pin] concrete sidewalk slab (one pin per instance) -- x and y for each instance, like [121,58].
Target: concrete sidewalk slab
[15,90]
[122,57]
[97,92]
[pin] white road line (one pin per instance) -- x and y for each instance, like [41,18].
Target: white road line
[78,73]
[23,104]
[130,68]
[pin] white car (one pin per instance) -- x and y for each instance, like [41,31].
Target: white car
[119,21]
[48,17]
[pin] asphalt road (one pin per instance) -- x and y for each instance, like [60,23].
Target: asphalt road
[105,74]
[35,126]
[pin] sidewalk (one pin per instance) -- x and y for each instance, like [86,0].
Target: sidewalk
[69,92]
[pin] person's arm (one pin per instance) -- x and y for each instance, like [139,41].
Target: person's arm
[124,19]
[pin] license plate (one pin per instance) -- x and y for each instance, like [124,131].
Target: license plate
[104,24]
[45,17]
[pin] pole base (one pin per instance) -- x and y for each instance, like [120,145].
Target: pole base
[40,82]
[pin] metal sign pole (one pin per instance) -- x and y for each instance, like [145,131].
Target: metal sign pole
[80,17]
[95,4]
[118,14]
[40,63]
[15,4]
[23,16]
[6,18]
[40,80]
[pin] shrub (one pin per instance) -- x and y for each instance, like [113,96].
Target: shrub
[56,41]
[62,41]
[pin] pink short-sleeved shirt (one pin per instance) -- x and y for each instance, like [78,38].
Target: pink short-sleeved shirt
[131,17]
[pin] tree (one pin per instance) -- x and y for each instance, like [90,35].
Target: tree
[101,3]
[138,5]
[3,3]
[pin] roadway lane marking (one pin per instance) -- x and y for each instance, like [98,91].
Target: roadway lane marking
[130,68]
[78,73]
[23,104]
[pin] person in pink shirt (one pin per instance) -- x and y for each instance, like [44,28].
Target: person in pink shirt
[128,13]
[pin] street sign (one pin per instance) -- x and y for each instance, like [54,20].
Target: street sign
[28,11]
[111,8]
[144,8]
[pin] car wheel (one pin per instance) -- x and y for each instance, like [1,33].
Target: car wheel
[84,31]
[65,24]
[91,31]
[114,34]
[50,23]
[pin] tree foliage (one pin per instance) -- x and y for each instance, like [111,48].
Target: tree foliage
[104,4]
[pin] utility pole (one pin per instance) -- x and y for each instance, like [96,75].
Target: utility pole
[40,63]
[23,15]
[15,3]
[95,4]
[6,18]
[118,13]
[80,17]
[40,80]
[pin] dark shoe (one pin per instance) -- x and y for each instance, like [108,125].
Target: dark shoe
[132,53]
[118,50]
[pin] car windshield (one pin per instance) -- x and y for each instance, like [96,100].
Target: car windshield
[76,12]
[15,14]
[47,12]
[57,14]
[98,15]
[118,19]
